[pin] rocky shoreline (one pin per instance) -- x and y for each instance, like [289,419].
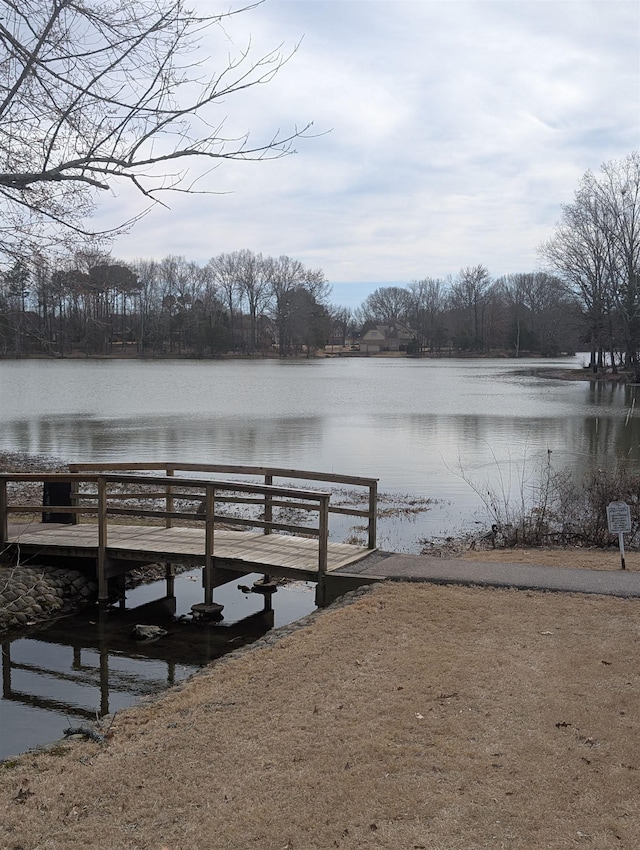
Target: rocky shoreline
[35,593]
[32,595]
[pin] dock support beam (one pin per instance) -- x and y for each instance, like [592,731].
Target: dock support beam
[373,515]
[103,584]
[209,544]
[4,530]
[323,540]
[170,577]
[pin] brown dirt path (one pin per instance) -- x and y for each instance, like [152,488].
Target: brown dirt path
[417,717]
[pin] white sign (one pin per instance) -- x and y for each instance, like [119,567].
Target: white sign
[619,517]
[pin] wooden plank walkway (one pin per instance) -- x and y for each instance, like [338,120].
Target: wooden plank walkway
[274,554]
[185,520]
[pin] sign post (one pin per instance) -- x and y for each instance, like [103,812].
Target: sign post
[619,522]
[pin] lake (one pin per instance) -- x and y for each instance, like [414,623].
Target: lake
[417,425]
[414,424]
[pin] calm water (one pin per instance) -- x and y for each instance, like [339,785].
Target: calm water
[87,665]
[415,425]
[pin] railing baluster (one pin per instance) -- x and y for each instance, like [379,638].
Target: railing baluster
[323,541]
[4,519]
[373,514]
[209,543]
[103,584]
[268,505]
[74,501]
[168,523]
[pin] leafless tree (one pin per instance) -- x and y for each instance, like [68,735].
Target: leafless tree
[181,281]
[539,311]
[386,305]
[428,302]
[224,272]
[469,297]
[341,320]
[298,298]
[148,274]
[253,282]
[98,94]
[618,192]
[596,250]
[285,276]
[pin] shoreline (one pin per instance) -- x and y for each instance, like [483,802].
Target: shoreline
[320,354]
[415,716]
[405,715]
[551,372]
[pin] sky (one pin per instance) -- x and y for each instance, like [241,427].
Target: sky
[446,134]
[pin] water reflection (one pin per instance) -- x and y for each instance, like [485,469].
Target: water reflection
[93,652]
[414,424]
[169,437]
[87,665]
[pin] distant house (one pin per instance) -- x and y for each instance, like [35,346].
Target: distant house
[392,337]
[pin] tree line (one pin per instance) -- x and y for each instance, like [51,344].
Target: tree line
[586,295]
[236,302]
[99,95]
[243,302]
[472,313]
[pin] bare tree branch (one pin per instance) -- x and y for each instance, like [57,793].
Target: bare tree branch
[93,93]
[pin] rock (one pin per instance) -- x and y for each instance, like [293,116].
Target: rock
[147,633]
[29,595]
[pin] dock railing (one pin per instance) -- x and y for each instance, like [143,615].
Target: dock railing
[268,475]
[102,494]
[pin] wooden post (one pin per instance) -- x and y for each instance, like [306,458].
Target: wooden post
[6,669]
[4,522]
[104,662]
[373,514]
[268,505]
[103,584]
[169,569]
[323,540]
[170,576]
[268,518]
[209,544]
[74,500]
[168,521]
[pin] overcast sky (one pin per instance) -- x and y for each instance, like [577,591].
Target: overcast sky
[454,132]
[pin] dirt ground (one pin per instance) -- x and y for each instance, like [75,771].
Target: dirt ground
[415,717]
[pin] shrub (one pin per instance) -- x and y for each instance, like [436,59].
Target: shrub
[551,506]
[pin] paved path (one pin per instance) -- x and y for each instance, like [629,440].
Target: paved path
[385,565]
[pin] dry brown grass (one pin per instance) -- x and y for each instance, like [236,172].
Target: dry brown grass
[578,557]
[416,717]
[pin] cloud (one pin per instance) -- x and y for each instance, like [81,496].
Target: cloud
[453,132]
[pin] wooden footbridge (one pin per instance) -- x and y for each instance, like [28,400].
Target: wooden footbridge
[115,517]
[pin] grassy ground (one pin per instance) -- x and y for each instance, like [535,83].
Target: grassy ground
[578,557]
[416,717]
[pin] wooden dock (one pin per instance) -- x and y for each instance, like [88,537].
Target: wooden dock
[248,552]
[180,520]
